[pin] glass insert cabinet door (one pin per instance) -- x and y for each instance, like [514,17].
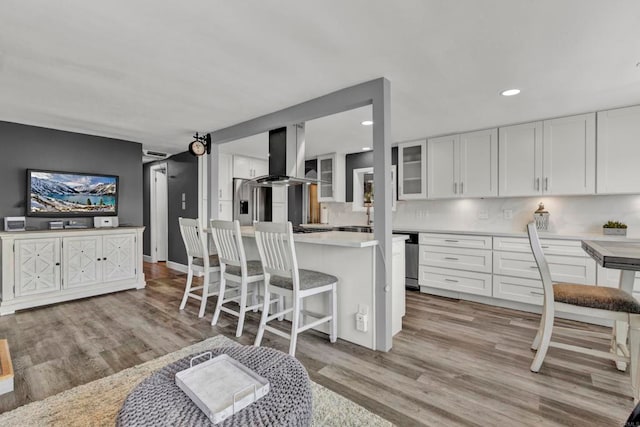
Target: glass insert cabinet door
[412,170]
[326,176]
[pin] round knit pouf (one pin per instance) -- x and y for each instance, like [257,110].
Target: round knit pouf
[158,401]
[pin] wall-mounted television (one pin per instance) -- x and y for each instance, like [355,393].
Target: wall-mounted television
[72,194]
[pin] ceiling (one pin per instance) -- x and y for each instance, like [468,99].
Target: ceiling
[156,71]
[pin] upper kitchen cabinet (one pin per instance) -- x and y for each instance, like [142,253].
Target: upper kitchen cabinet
[520,160]
[463,165]
[412,170]
[331,169]
[554,157]
[619,151]
[569,152]
[249,167]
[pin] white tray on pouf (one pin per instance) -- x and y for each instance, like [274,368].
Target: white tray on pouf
[221,386]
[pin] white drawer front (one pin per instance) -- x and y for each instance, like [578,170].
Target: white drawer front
[549,246]
[455,280]
[459,258]
[518,289]
[456,240]
[610,277]
[563,268]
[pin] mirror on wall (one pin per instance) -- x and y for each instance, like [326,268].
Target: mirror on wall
[364,192]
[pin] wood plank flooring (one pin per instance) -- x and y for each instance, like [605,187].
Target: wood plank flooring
[454,363]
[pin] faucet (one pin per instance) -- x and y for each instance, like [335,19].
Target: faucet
[369,220]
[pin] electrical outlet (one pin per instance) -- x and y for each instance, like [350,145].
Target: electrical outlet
[483,214]
[362,322]
[507,214]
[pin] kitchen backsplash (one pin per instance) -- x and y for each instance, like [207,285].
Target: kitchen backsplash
[575,214]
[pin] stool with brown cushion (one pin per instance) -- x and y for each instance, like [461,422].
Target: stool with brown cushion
[593,301]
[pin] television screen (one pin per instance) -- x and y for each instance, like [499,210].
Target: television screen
[54,194]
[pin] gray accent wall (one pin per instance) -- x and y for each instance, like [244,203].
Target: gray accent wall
[182,177]
[361,160]
[25,147]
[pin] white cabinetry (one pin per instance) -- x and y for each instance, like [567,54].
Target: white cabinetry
[331,170]
[45,267]
[37,266]
[225,210]
[463,165]
[279,204]
[82,260]
[249,167]
[412,170]
[118,257]
[515,272]
[225,177]
[554,157]
[569,165]
[456,263]
[619,151]
[520,160]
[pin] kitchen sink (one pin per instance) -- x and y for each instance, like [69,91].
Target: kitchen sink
[355,228]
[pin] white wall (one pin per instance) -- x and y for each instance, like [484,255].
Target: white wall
[575,214]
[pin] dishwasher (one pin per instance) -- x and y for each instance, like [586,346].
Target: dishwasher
[410,259]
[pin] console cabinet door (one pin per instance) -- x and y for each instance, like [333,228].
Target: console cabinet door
[82,261]
[118,257]
[37,266]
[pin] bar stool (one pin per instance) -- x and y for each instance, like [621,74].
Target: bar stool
[199,261]
[282,277]
[234,268]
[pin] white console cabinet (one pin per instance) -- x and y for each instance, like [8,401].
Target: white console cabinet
[45,267]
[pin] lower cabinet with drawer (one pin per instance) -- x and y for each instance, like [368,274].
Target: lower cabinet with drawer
[518,289]
[456,263]
[456,280]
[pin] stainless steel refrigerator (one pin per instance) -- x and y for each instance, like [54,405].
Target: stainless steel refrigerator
[251,203]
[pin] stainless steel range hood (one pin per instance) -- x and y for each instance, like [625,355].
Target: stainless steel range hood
[281,181]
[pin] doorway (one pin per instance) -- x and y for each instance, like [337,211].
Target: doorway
[159,213]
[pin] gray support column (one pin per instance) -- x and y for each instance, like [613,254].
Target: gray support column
[377,93]
[382,229]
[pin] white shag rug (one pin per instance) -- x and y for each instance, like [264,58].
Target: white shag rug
[97,403]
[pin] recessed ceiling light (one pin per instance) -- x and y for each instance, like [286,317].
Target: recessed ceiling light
[366,148]
[510,92]
[367,123]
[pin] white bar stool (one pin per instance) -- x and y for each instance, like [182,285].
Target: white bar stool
[199,261]
[234,268]
[282,277]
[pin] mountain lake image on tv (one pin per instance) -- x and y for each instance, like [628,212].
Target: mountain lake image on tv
[71,194]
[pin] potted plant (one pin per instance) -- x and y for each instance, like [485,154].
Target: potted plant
[615,228]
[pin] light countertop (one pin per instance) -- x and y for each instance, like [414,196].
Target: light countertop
[331,238]
[543,235]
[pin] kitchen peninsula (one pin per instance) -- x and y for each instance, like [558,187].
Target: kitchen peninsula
[351,258]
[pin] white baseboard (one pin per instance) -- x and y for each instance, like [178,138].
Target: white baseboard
[147,258]
[178,267]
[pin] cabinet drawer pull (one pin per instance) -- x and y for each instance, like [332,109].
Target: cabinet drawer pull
[450,241]
[534,266]
[545,247]
[57,263]
[536,293]
[451,258]
[455,188]
[450,280]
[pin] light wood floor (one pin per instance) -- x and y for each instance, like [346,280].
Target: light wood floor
[454,363]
